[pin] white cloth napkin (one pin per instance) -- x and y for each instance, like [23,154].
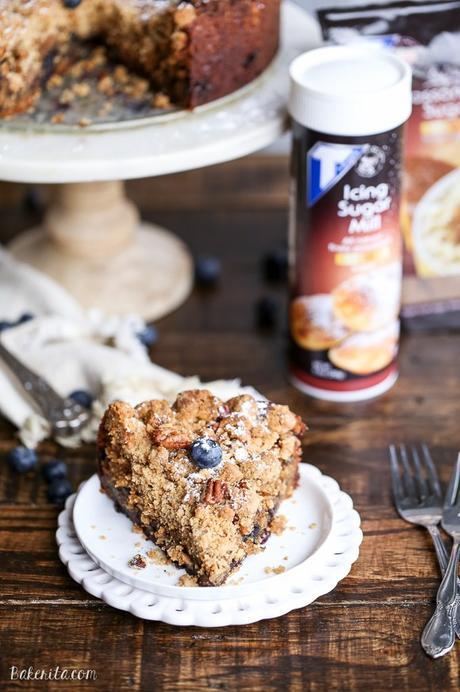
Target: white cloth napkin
[77,349]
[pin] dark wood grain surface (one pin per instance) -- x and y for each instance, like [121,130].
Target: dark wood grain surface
[362,636]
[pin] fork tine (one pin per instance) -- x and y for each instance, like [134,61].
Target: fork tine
[452,490]
[419,474]
[398,490]
[432,473]
[407,473]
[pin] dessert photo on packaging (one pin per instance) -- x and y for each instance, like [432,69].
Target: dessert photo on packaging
[427,36]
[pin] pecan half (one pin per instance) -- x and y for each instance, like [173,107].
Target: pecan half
[215,491]
[166,436]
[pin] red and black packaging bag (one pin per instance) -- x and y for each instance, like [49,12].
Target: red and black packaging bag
[427,36]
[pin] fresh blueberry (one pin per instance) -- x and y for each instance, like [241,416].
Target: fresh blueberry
[5,325]
[275,265]
[25,317]
[207,271]
[82,397]
[33,200]
[71,4]
[22,459]
[206,453]
[267,311]
[59,490]
[148,336]
[56,468]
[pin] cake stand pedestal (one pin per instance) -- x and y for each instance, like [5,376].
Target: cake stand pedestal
[94,245]
[91,240]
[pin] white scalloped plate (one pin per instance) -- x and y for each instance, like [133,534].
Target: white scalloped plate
[320,551]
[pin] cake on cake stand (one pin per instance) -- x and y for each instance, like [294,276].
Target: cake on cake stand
[92,240]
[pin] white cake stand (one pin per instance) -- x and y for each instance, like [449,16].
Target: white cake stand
[91,240]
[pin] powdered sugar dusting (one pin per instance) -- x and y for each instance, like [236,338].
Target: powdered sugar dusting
[319,312]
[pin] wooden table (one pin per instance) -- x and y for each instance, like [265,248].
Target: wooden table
[364,635]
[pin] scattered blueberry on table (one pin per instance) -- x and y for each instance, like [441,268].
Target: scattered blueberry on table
[25,317]
[22,459]
[275,265]
[267,312]
[206,453]
[7,324]
[82,397]
[33,200]
[54,469]
[148,336]
[59,490]
[207,271]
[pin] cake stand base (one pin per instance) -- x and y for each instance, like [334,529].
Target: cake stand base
[92,243]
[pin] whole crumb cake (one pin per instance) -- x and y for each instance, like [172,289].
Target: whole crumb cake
[203,478]
[192,51]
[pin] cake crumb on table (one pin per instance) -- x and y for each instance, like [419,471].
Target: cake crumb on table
[313,525]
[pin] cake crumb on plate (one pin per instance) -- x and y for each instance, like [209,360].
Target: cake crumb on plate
[275,570]
[278,525]
[137,562]
[158,557]
[187,580]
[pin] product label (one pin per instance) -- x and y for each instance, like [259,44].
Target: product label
[345,247]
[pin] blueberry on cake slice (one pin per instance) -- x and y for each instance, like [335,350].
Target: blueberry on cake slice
[203,478]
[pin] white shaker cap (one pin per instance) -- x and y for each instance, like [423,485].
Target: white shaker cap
[350,90]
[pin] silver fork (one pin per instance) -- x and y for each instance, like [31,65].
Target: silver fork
[418,498]
[438,637]
[64,415]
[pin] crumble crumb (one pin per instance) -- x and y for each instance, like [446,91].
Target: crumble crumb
[235,582]
[158,557]
[81,89]
[55,81]
[137,562]
[254,548]
[103,538]
[187,580]
[275,570]
[66,98]
[161,101]
[313,525]
[278,525]
[136,529]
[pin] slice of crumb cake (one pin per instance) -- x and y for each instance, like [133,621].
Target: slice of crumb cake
[203,478]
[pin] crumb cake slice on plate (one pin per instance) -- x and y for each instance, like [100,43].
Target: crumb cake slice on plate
[203,478]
